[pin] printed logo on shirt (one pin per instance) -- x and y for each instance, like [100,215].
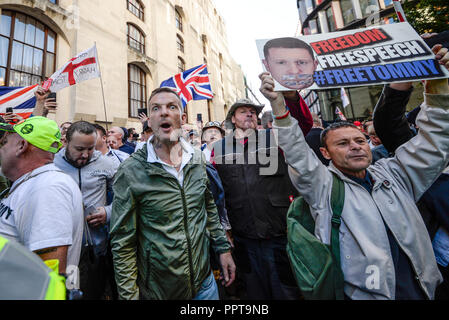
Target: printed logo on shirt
[4,209]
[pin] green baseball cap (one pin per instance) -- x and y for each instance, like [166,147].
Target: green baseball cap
[40,132]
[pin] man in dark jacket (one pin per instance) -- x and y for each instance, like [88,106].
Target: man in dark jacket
[258,193]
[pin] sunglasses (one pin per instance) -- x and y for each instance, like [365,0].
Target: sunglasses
[213,123]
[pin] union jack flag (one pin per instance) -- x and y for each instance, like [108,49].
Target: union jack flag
[20,99]
[192,84]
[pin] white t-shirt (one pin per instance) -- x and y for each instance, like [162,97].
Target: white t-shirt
[44,209]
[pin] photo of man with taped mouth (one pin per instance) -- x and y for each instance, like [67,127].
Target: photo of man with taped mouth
[290,61]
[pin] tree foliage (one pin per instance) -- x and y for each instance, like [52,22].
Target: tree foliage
[427,15]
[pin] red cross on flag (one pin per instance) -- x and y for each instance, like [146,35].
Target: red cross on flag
[80,68]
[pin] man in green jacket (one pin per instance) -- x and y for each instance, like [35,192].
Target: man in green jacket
[164,217]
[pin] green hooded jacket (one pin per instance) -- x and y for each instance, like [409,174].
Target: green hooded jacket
[160,231]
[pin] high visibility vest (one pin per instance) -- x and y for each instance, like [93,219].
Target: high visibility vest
[24,276]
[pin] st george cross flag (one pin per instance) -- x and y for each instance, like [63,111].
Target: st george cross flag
[22,100]
[83,67]
[192,84]
[340,114]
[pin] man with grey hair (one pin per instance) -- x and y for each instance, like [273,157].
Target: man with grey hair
[257,192]
[120,134]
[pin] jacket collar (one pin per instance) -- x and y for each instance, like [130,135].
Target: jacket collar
[377,181]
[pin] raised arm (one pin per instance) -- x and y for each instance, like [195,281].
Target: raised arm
[419,162]
[389,119]
[308,174]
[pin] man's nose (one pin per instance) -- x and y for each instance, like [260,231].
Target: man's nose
[294,68]
[354,145]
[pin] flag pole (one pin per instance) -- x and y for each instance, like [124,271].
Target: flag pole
[399,11]
[102,89]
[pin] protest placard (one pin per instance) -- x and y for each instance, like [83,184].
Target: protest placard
[374,55]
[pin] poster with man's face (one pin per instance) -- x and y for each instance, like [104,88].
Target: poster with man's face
[374,55]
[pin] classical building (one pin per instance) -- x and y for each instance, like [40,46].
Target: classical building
[140,43]
[323,16]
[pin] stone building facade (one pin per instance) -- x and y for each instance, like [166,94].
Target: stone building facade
[140,43]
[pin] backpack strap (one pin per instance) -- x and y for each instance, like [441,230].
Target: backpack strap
[337,202]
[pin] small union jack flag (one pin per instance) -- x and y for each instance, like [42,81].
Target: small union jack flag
[20,99]
[192,84]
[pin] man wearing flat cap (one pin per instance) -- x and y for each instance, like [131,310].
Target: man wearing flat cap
[258,193]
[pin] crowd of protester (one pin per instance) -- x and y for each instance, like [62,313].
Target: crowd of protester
[179,211]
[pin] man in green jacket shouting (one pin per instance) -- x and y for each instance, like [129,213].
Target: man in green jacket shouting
[164,217]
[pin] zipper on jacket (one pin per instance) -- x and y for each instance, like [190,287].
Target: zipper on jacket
[399,245]
[189,245]
[79,178]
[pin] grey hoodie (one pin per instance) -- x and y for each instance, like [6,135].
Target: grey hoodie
[94,180]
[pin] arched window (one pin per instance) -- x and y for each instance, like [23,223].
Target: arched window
[136,39]
[178,20]
[181,65]
[180,43]
[136,7]
[27,50]
[137,90]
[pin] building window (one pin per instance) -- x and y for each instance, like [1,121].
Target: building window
[369,7]
[330,19]
[137,90]
[136,7]
[178,20]
[181,65]
[314,26]
[136,39]
[27,50]
[347,11]
[180,43]
[54,1]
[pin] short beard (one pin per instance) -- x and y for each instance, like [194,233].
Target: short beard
[73,162]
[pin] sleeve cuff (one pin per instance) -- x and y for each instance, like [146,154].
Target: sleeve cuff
[286,122]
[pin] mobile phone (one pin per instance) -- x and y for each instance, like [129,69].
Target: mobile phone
[89,210]
[9,110]
[52,95]
[143,110]
[199,117]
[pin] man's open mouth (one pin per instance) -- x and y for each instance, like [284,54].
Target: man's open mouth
[165,125]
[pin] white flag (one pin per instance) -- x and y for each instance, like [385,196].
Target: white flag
[83,67]
[344,98]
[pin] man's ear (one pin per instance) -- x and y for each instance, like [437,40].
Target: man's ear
[183,118]
[233,119]
[21,147]
[325,153]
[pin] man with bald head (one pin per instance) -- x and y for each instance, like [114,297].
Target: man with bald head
[119,134]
